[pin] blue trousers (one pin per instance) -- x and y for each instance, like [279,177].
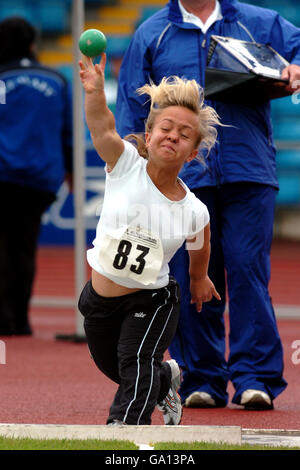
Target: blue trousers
[241,218]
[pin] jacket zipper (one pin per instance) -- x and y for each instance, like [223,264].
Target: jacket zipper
[217,171]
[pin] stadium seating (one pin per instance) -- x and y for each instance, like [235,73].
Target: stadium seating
[289,160]
[287,129]
[117,45]
[17,8]
[289,106]
[52,16]
[289,9]
[49,16]
[146,12]
[289,190]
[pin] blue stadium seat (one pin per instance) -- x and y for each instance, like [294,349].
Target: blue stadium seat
[17,8]
[258,3]
[290,12]
[146,13]
[287,129]
[284,107]
[288,160]
[117,45]
[101,2]
[288,9]
[289,190]
[53,15]
[66,71]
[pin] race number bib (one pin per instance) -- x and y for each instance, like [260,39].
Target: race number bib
[137,255]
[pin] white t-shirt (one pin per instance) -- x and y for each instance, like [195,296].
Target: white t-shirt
[140,229]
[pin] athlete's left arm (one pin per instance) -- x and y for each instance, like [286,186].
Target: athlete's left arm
[201,287]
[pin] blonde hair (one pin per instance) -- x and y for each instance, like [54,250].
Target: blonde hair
[175,91]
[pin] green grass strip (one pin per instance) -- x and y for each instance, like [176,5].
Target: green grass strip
[8,443]
[215,446]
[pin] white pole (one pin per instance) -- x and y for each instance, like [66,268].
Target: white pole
[78,171]
[79,163]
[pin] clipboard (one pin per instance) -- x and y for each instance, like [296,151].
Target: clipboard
[243,72]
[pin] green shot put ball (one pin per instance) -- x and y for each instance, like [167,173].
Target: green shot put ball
[92,42]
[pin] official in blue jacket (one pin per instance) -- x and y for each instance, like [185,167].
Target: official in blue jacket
[237,183]
[35,156]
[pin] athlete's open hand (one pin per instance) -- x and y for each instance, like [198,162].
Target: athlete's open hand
[92,76]
[202,290]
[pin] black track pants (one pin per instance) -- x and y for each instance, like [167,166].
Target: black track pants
[127,337]
[21,209]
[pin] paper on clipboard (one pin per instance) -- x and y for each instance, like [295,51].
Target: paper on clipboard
[243,72]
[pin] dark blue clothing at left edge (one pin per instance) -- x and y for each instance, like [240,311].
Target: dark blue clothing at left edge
[35,146]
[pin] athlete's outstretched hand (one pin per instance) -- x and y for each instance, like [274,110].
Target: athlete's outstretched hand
[92,76]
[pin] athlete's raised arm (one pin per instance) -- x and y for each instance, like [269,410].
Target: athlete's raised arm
[100,119]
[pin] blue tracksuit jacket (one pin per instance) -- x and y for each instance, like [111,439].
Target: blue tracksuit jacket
[164,45]
[36,126]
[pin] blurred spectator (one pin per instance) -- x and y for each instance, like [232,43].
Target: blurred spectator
[35,156]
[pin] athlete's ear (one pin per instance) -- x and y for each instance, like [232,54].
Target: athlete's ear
[147,138]
[192,155]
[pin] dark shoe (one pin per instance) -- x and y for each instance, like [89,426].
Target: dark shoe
[23,331]
[6,331]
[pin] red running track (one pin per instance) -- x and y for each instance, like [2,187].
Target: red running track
[49,381]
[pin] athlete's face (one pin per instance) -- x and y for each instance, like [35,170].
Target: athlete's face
[174,136]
